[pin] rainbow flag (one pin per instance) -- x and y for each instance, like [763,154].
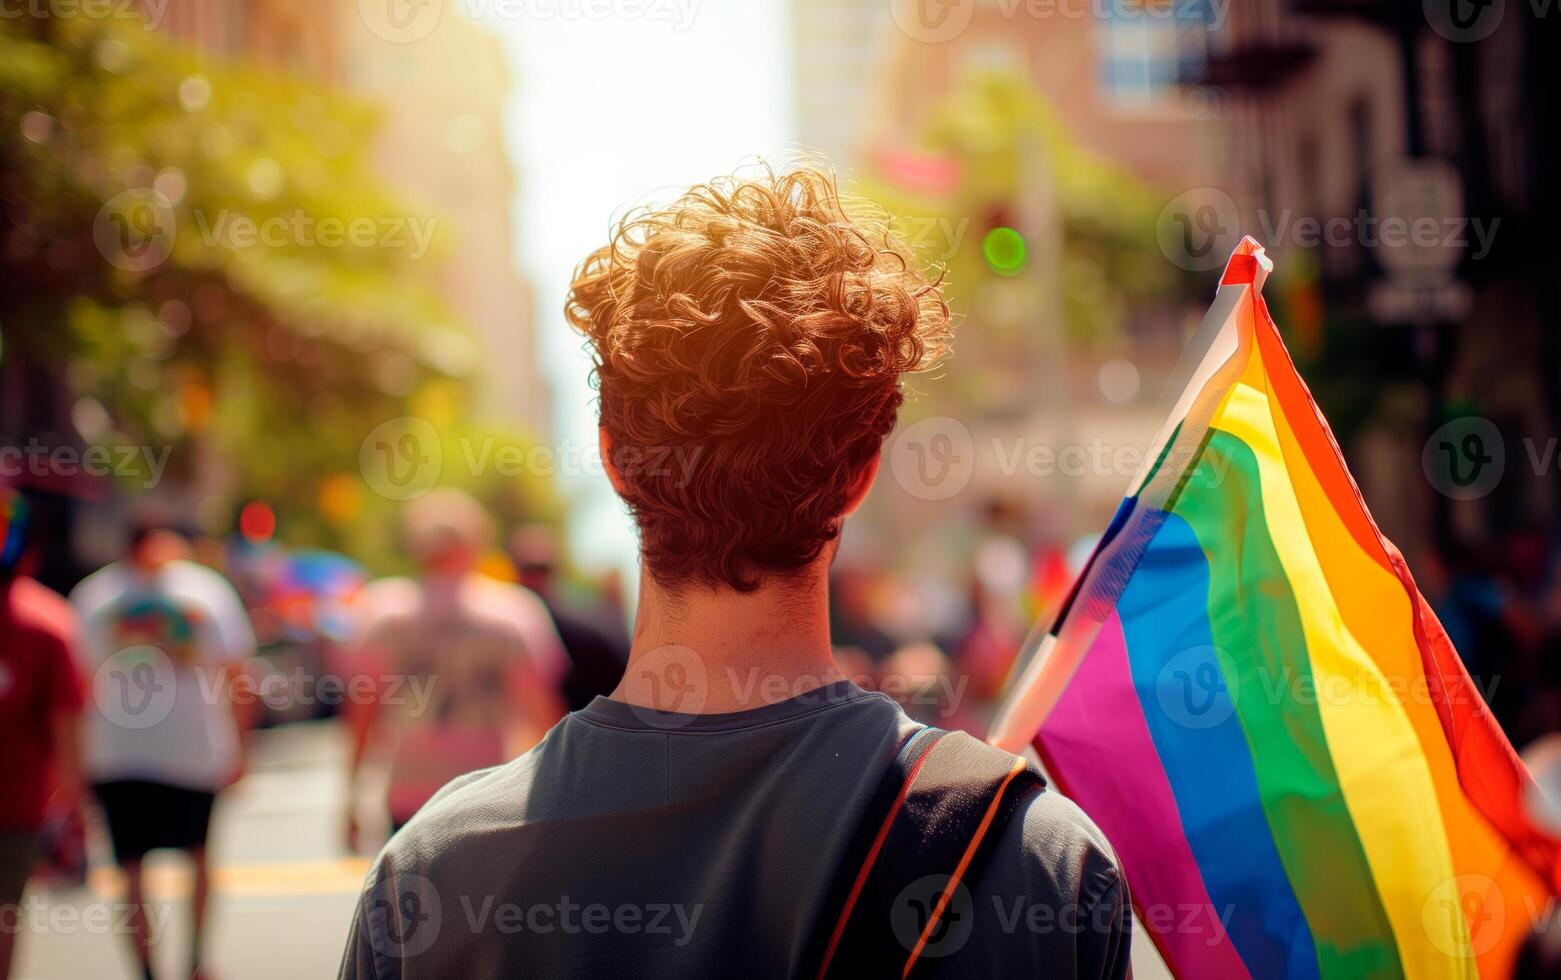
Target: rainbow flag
[1249,695]
[13,527]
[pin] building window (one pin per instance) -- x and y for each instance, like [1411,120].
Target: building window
[1149,47]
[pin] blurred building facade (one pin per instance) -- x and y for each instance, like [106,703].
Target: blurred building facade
[1113,79]
[288,34]
[1348,114]
[838,48]
[1112,86]
[442,139]
[1043,417]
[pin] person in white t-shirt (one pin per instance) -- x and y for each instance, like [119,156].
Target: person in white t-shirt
[466,668]
[162,638]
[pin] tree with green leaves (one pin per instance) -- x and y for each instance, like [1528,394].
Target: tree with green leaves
[197,255]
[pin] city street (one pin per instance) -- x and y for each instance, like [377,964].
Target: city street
[1165,391]
[284,890]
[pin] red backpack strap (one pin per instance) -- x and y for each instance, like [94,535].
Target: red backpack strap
[937,810]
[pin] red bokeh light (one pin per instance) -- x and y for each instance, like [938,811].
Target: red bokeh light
[257,522]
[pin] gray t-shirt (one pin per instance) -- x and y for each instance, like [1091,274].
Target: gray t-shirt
[630,843]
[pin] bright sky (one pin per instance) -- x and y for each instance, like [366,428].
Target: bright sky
[612,112]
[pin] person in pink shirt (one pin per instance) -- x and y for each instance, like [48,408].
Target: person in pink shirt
[464,669]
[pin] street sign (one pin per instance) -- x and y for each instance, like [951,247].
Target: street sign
[1417,207]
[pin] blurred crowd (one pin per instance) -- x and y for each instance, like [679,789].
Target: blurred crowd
[127,706]
[1502,610]
[130,702]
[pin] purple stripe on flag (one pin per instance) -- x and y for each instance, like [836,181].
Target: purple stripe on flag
[1129,797]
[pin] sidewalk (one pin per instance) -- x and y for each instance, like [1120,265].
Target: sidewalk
[284,892]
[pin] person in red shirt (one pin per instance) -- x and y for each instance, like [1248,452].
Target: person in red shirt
[40,712]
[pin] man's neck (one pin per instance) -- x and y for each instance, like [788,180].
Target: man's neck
[704,651]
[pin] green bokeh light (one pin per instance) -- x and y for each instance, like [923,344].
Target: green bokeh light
[1004,250]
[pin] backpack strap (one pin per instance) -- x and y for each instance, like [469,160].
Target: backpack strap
[937,810]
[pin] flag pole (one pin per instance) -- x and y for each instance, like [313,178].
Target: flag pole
[1021,715]
[1048,665]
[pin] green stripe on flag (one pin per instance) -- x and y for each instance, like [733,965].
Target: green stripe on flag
[1261,647]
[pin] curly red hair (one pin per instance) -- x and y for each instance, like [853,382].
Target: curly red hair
[749,342]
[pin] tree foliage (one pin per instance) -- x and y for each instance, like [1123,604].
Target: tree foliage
[199,256]
[1001,136]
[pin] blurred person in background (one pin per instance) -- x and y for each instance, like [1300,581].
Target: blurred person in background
[1497,632]
[717,799]
[1527,574]
[164,638]
[40,713]
[921,679]
[464,667]
[613,602]
[1001,570]
[853,620]
[597,650]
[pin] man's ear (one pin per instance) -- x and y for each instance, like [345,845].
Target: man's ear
[860,485]
[604,445]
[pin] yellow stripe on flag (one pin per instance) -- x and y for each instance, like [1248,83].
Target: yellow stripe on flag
[1383,773]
